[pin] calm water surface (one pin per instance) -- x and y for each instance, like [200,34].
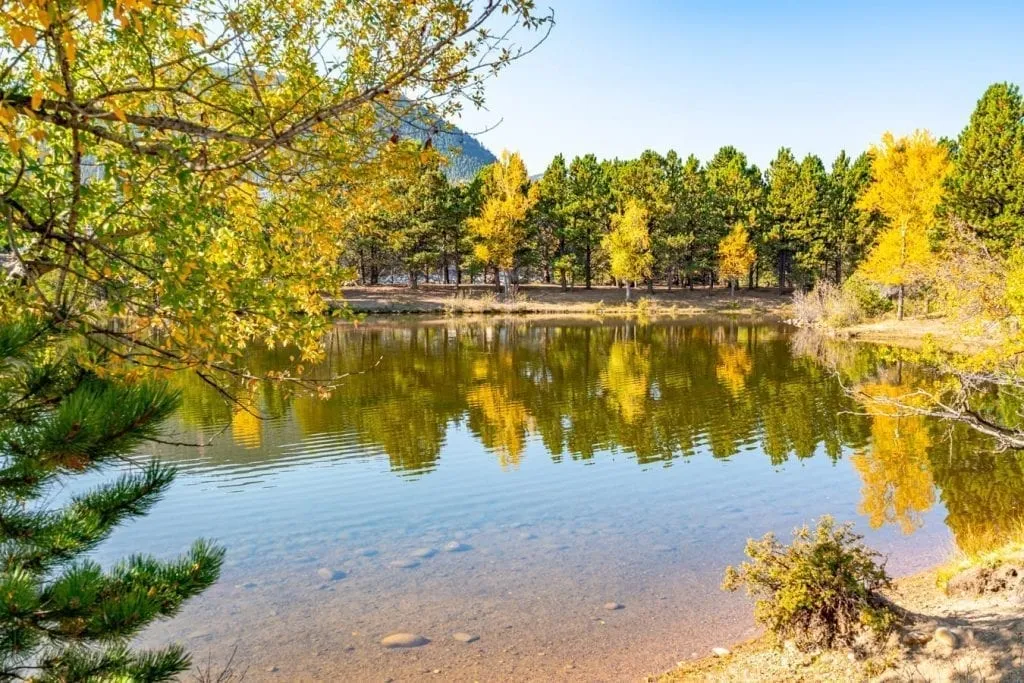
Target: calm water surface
[574,464]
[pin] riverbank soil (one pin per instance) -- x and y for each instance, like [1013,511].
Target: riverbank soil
[975,633]
[552,299]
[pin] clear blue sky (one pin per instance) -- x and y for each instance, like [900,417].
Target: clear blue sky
[619,76]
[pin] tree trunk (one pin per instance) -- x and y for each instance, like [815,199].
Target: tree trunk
[587,265]
[899,303]
[650,284]
[782,270]
[413,279]
[628,288]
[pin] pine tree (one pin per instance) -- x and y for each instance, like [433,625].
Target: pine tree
[63,616]
[986,187]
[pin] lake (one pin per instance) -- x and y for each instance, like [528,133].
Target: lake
[507,479]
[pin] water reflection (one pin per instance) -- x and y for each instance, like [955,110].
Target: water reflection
[656,392]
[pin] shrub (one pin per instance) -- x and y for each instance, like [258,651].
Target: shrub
[869,299]
[827,305]
[821,591]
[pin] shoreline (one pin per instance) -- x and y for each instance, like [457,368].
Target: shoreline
[986,641]
[452,300]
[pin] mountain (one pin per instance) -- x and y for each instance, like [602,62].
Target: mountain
[465,154]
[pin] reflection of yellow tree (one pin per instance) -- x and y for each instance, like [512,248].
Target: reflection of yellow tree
[625,379]
[500,421]
[733,367]
[246,425]
[894,468]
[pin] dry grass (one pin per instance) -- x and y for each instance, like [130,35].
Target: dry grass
[551,299]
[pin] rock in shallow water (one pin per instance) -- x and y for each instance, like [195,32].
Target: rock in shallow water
[720,651]
[465,637]
[328,574]
[398,640]
[456,547]
[424,552]
[405,564]
[611,606]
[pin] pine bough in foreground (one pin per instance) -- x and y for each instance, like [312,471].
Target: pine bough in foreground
[63,617]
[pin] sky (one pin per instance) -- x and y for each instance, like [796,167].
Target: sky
[616,77]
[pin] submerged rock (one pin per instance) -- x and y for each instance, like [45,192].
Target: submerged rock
[405,564]
[456,547]
[720,651]
[328,574]
[424,552]
[398,640]
[465,637]
[611,606]
[368,552]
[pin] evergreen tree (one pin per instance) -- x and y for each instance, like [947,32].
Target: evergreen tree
[644,181]
[784,205]
[550,217]
[810,230]
[849,230]
[63,616]
[986,187]
[588,208]
[736,194]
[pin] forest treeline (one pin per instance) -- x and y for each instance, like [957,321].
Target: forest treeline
[669,220]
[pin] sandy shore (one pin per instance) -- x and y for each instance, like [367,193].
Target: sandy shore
[988,629]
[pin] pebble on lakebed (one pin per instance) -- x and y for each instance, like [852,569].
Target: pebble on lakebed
[405,564]
[397,640]
[456,547]
[328,574]
[424,552]
[465,637]
[720,651]
[611,606]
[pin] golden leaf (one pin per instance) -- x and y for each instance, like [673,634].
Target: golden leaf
[94,8]
[37,98]
[59,88]
[119,113]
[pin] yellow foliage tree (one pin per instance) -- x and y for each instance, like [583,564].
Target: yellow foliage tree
[500,229]
[735,256]
[629,245]
[908,175]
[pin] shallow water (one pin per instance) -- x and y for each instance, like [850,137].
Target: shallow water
[574,464]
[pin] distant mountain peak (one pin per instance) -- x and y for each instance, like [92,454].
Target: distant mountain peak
[465,154]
